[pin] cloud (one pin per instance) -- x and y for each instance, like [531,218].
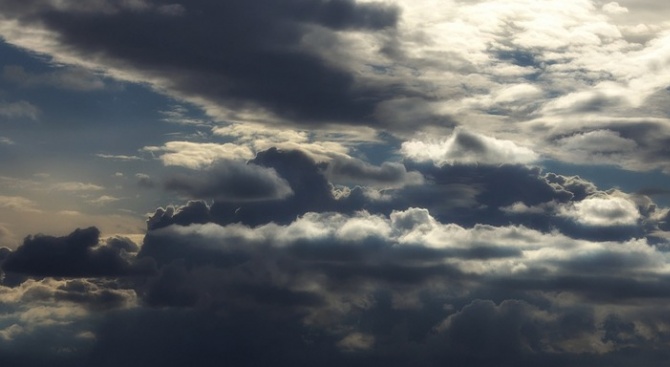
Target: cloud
[593,146]
[145,181]
[357,172]
[67,78]
[614,8]
[104,200]
[272,68]
[359,288]
[7,238]
[18,203]
[178,114]
[356,341]
[321,146]
[72,186]
[232,181]
[198,155]
[604,211]
[306,241]
[464,147]
[20,109]
[469,194]
[75,255]
[119,157]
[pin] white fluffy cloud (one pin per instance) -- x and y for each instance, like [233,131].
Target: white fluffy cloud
[464,147]
[603,211]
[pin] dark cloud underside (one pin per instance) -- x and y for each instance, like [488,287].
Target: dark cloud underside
[234,53]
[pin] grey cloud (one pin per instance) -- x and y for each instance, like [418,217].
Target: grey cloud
[639,144]
[232,181]
[101,296]
[191,213]
[357,172]
[122,243]
[75,255]
[408,284]
[145,181]
[208,266]
[463,194]
[265,64]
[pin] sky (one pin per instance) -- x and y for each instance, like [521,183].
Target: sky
[334,182]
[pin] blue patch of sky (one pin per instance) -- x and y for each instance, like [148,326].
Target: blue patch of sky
[74,126]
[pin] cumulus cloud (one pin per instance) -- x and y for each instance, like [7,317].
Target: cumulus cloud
[468,194]
[75,255]
[344,280]
[232,181]
[604,211]
[357,172]
[464,147]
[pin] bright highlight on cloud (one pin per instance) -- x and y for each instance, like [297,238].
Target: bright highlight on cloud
[604,211]
[464,147]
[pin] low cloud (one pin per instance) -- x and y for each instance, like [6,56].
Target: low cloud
[603,211]
[356,172]
[232,181]
[75,255]
[464,147]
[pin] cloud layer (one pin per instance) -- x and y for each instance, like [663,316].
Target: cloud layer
[334,183]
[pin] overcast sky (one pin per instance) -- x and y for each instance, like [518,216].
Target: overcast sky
[334,182]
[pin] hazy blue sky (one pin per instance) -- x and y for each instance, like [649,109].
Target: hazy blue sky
[334,182]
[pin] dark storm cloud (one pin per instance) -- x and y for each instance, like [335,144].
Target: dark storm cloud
[76,255]
[232,181]
[232,53]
